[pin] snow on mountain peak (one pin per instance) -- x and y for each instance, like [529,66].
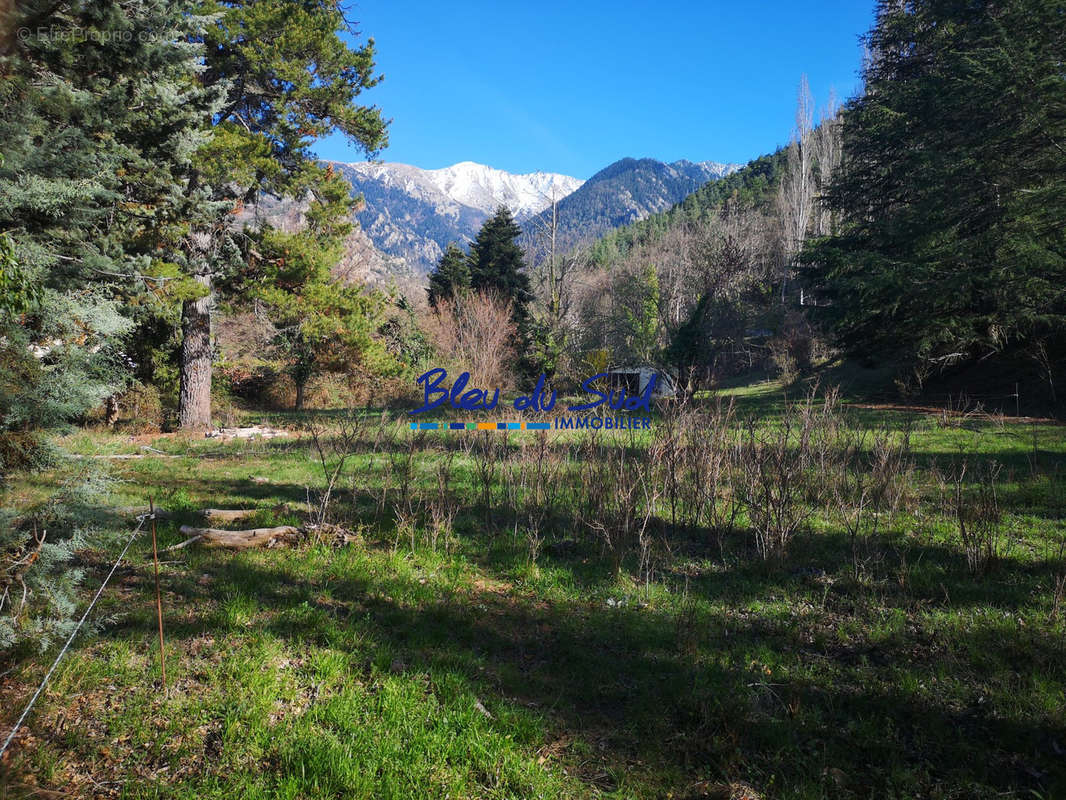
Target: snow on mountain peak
[485,188]
[412,214]
[476,185]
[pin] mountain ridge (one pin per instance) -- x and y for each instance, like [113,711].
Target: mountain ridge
[624,192]
[411,214]
[472,184]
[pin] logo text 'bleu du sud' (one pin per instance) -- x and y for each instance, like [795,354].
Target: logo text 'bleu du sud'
[540,399]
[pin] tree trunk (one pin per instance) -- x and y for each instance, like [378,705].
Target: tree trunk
[194,402]
[111,410]
[299,404]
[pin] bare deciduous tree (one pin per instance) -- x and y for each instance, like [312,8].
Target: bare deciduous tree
[828,146]
[797,184]
[554,275]
[476,331]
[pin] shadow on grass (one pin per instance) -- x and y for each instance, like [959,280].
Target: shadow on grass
[934,574]
[728,688]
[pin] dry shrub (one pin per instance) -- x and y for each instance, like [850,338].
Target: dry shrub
[777,466]
[978,518]
[696,454]
[475,333]
[487,450]
[708,469]
[622,496]
[534,484]
[667,453]
[402,470]
[375,441]
[869,478]
[591,454]
[333,447]
[713,454]
[444,505]
[773,489]
[394,456]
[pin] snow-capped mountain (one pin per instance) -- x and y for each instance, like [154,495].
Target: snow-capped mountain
[474,185]
[412,214]
[485,188]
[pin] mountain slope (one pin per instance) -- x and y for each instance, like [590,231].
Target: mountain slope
[625,192]
[486,188]
[412,214]
[755,183]
[361,261]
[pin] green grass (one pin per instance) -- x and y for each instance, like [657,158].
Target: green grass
[392,671]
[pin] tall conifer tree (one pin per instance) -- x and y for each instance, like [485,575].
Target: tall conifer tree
[451,276]
[496,263]
[288,78]
[953,188]
[99,117]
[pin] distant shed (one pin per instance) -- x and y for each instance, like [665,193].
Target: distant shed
[635,380]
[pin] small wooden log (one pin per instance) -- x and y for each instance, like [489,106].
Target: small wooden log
[254,432]
[240,540]
[227,514]
[180,545]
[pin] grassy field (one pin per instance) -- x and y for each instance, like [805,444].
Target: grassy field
[490,636]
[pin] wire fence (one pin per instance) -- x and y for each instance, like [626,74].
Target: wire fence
[141,519]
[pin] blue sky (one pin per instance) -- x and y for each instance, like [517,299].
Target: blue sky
[572,86]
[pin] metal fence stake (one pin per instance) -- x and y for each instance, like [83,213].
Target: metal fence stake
[158,598]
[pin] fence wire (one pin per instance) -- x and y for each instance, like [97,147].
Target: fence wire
[141,519]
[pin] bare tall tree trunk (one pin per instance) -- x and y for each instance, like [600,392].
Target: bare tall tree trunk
[549,279]
[797,185]
[194,401]
[553,286]
[828,146]
[552,271]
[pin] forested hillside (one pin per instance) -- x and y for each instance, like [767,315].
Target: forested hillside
[623,192]
[705,288]
[753,184]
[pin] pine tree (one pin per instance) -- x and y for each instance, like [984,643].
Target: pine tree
[100,120]
[451,276]
[952,190]
[320,324]
[100,116]
[496,263]
[288,79]
[95,104]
